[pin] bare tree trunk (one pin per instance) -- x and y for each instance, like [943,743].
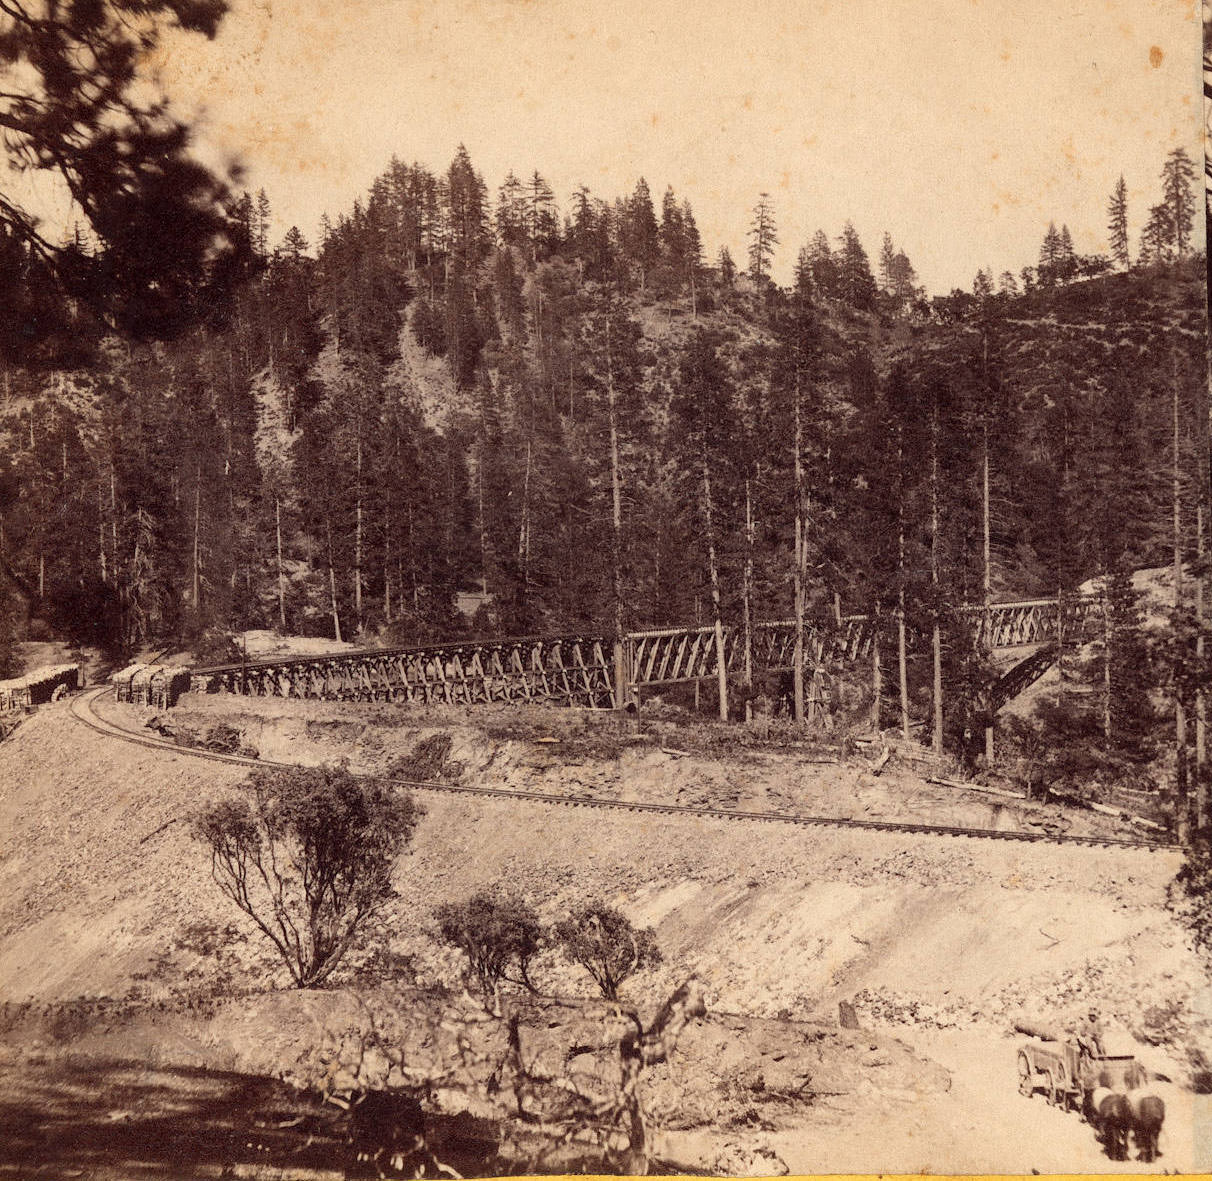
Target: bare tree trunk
[988,563]
[113,516]
[524,527]
[387,570]
[281,568]
[902,658]
[746,596]
[935,633]
[713,570]
[621,672]
[1107,661]
[358,531]
[332,584]
[797,669]
[483,521]
[877,676]
[1201,702]
[197,580]
[1180,714]
[101,532]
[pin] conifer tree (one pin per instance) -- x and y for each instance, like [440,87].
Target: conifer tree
[641,237]
[1178,176]
[824,265]
[763,237]
[704,407]
[887,263]
[855,281]
[726,266]
[511,215]
[1117,224]
[1157,237]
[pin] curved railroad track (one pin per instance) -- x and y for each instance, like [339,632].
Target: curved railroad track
[83,710]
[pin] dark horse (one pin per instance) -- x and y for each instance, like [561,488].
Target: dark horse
[1148,1115]
[1111,1114]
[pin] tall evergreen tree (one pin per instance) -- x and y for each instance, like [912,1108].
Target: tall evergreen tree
[855,281]
[763,237]
[1117,224]
[1178,177]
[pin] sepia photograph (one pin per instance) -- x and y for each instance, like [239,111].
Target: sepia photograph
[604,587]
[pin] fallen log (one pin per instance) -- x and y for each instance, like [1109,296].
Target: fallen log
[989,791]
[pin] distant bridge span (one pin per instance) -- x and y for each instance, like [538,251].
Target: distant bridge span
[591,670]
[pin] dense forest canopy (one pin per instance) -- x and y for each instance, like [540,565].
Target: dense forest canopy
[571,414]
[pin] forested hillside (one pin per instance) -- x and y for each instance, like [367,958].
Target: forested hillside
[578,419]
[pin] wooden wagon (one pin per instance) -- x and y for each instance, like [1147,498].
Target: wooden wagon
[1065,1074]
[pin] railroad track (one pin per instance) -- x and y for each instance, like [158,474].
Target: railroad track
[83,710]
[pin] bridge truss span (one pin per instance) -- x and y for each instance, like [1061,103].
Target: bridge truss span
[567,670]
[596,672]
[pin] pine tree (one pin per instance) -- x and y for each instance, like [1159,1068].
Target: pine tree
[542,224]
[904,279]
[703,406]
[261,224]
[727,267]
[982,285]
[1178,176]
[887,263]
[1117,225]
[1050,257]
[763,237]
[1157,237]
[1066,258]
[641,236]
[824,265]
[795,414]
[855,281]
[511,215]
[1128,712]
[673,231]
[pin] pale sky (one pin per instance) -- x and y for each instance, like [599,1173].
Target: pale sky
[960,126]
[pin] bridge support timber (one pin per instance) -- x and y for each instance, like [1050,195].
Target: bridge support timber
[598,672]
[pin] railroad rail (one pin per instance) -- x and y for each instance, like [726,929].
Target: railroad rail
[83,709]
[591,670]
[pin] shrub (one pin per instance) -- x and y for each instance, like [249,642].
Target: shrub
[1190,894]
[429,762]
[308,855]
[604,942]
[494,930]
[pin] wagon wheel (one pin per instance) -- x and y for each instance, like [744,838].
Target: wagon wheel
[1025,1085]
[1051,1093]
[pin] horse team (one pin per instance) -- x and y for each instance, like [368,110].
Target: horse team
[1137,1110]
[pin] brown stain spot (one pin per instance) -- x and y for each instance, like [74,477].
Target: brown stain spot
[785,180]
[1156,56]
[654,118]
[747,102]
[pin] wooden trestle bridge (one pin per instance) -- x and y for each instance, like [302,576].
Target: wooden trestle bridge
[592,670]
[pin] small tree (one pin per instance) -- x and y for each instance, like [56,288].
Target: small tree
[308,855]
[1190,894]
[494,930]
[604,942]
